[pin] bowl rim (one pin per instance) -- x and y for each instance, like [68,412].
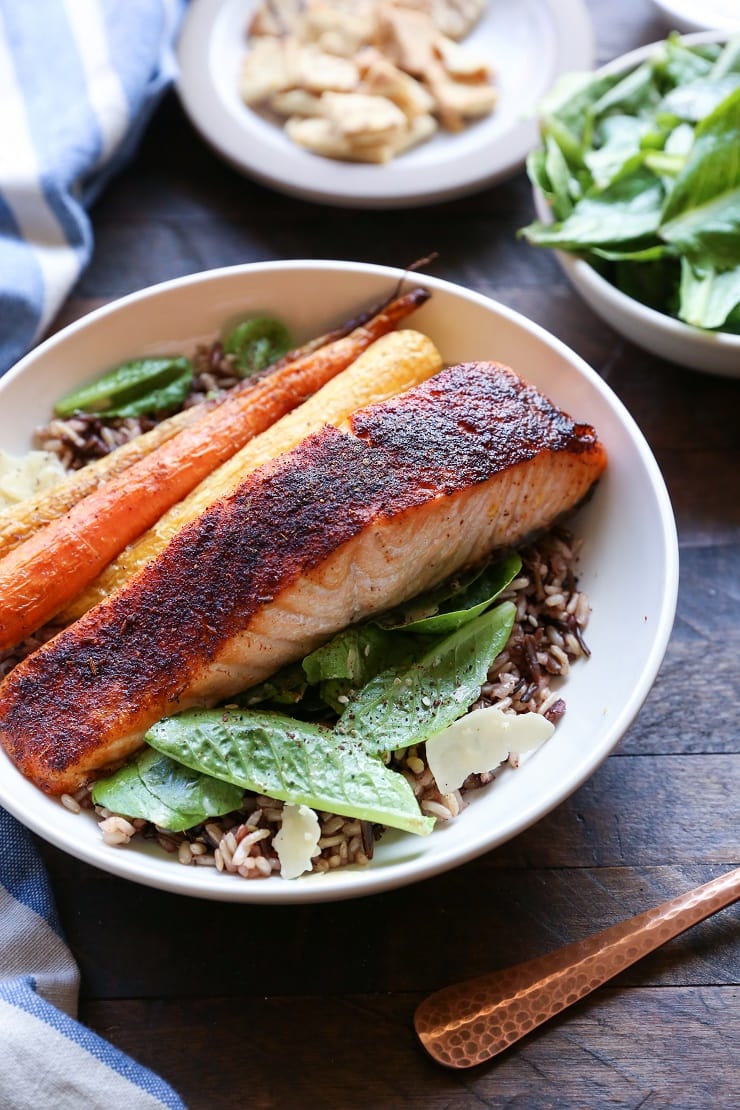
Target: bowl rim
[589,277]
[179,880]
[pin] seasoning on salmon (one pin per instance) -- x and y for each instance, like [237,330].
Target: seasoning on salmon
[345,525]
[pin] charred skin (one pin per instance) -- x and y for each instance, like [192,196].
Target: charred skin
[426,483]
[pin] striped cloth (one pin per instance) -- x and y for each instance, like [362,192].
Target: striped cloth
[47,1058]
[78,82]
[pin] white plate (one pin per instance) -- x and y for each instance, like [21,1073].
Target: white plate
[628,567]
[709,15]
[530,43]
[710,352]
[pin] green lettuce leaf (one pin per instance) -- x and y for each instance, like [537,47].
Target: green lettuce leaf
[293,761]
[452,605]
[702,213]
[646,186]
[627,209]
[158,789]
[397,709]
[708,297]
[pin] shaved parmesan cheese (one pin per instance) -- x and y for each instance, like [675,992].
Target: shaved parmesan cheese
[297,841]
[21,478]
[481,740]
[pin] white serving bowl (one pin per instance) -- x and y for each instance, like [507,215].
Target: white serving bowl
[688,15]
[632,585]
[707,351]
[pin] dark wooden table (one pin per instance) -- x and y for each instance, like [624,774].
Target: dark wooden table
[312,1006]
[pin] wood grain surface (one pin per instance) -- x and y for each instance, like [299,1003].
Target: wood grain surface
[270,1007]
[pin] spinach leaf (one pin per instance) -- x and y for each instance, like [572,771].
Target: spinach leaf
[565,187]
[702,212]
[397,709]
[256,343]
[448,608]
[634,93]
[294,761]
[357,654]
[698,99]
[677,63]
[160,790]
[286,687]
[620,138]
[708,297]
[351,658]
[139,388]
[627,209]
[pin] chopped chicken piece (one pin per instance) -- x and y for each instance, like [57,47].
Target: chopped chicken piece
[319,72]
[407,37]
[458,101]
[457,18]
[419,129]
[296,102]
[381,78]
[266,69]
[278,17]
[364,119]
[366,79]
[339,29]
[320,136]
[459,62]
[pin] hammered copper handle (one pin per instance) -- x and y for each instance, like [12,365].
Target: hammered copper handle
[469,1022]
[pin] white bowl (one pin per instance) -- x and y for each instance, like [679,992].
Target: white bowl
[688,15]
[631,582]
[707,351]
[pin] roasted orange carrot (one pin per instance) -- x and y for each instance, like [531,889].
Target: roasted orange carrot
[22,520]
[43,574]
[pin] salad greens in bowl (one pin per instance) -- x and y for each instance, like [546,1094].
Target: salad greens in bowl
[637,185]
[440,646]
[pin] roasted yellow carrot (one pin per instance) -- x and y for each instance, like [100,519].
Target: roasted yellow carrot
[391,365]
[22,520]
[42,575]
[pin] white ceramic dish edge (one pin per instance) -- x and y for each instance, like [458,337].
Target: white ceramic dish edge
[688,16]
[53,823]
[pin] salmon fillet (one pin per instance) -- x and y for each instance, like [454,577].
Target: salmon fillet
[346,524]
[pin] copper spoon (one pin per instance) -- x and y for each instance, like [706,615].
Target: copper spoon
[470,1022]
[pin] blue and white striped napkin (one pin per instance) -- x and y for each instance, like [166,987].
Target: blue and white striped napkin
[47,1059]
[78,82]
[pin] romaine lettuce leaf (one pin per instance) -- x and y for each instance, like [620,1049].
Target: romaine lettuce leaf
[442,611]
[161,790]
[397,709]
[293,761]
